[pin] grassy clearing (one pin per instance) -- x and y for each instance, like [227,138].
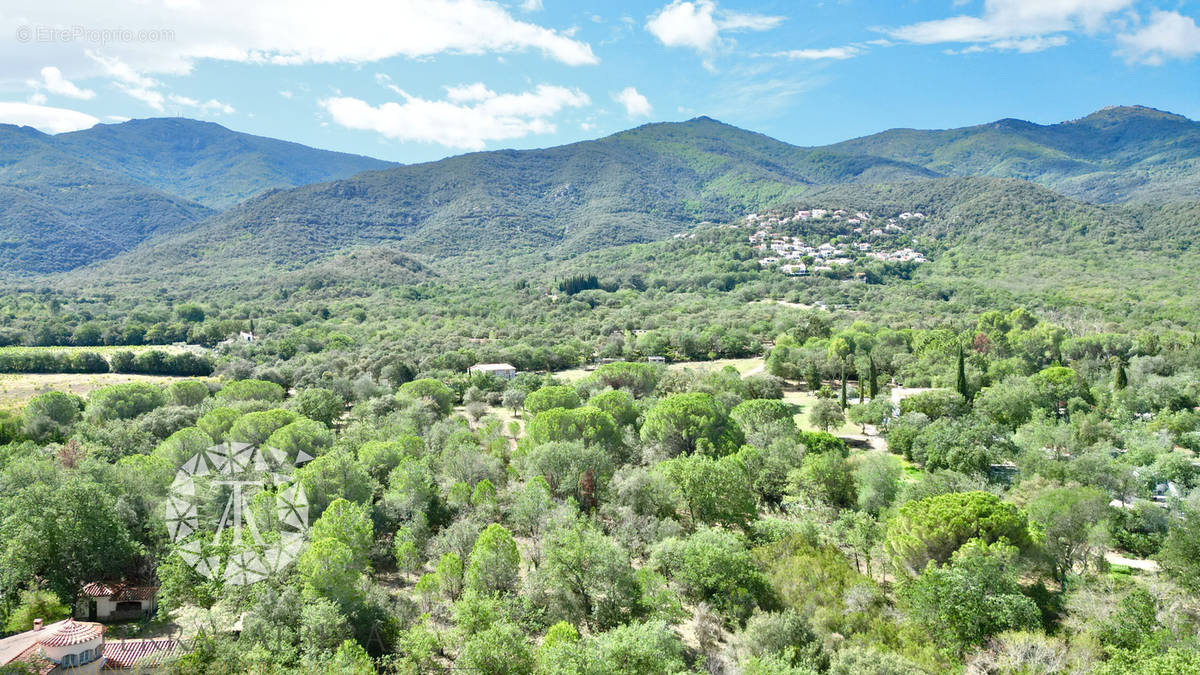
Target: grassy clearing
[17,389]
[748,366]
[805,400]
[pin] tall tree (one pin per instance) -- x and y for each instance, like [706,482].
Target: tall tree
[960,384]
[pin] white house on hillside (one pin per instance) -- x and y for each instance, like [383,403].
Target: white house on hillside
[503,371]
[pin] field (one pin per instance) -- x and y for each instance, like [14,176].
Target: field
[17,389]
[748,366]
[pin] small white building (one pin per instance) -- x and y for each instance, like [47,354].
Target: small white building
[656,359]
[503,371]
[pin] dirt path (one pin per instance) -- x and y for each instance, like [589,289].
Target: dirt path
[878,443]
[1115,558]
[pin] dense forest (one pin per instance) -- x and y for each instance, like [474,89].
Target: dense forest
[643,519]
[677,457]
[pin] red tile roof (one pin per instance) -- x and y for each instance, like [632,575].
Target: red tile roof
[34,659]
[71,632]
[128,653]
[119,591]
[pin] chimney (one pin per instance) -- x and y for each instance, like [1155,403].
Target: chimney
[37,624]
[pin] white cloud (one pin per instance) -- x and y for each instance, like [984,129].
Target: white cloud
[471,116]
[532,5]
[1021,25]
[635,104]
[128,80]
[698,24]
[285,93]
[469,92]
[147,89]
[1168,35]
[54,82]
[47,119]
[282,32]
[211,106]
[836,53]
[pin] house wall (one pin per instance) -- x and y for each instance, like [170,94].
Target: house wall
[105,607]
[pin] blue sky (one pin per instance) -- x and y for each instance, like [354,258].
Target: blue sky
[416,80]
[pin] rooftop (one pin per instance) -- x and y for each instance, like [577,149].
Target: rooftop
[119,591]
[128,653]
[69,632]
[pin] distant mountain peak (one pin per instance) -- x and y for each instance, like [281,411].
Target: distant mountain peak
[1130,112]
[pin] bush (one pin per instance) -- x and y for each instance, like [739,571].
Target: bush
[50,416]
[935,404]
[932,529]
[187,392]
[255,428]
[319,404]
[714,566]
[124,401]
[431,390]
[251,390]
[639,379]
[551,397]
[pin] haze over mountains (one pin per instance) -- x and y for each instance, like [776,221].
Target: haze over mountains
[171,185]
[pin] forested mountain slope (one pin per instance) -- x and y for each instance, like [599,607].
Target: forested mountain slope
[638,185]
[74,198]
[206,162]
[58,211]
[1118,154]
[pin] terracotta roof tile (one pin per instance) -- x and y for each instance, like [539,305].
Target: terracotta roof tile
[71,632]
[127,653]
[119,591]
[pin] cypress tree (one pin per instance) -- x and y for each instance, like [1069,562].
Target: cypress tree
[961,384]
[1120,379]
[843,385]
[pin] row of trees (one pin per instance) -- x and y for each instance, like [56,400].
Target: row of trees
[149,362]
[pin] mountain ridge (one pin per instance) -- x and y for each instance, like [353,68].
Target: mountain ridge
[69,199]
[1115,154]
[635,185]
[210,163]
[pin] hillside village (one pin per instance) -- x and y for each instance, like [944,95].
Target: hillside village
[846,238]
